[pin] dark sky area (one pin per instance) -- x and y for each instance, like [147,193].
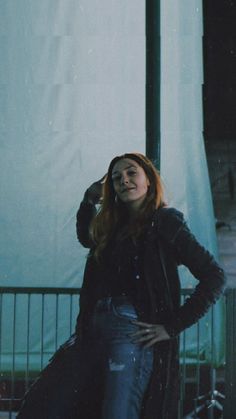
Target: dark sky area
[219,90]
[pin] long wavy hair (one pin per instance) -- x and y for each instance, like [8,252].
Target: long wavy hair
[112,217]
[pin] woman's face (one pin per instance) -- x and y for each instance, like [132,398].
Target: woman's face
[130,182]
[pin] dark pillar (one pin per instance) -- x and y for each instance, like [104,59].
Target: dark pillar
[153,81]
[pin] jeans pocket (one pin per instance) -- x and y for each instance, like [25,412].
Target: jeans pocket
[125,311]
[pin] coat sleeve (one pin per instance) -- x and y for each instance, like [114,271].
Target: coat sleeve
[85,214]
[201,264]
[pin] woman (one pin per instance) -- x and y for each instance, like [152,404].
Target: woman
[122,362]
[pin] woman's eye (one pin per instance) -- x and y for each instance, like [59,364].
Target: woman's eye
[132,173]
[115,178]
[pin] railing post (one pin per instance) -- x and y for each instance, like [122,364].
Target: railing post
[230,368]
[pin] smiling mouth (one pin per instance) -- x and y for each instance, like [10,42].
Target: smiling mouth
[127,190]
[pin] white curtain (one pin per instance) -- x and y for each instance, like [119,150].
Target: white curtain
[72,97]
[183,160]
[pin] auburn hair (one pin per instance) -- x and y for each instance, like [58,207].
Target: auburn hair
[112,216]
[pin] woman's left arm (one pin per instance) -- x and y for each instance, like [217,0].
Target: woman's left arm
[205,269]
[189,252]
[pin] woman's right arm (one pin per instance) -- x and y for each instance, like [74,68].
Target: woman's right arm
[87,212]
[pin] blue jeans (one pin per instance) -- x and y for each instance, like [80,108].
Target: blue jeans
[103,377]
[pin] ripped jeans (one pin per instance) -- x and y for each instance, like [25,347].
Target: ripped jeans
[127,366]
[104,377]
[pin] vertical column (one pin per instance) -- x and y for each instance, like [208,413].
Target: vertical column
[153,45]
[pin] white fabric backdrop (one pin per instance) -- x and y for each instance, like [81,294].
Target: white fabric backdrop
[183,160]
[72,95]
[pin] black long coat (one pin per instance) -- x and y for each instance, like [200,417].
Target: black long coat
[168,243]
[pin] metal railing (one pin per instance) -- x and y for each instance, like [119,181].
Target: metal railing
[202,381]
[35,321]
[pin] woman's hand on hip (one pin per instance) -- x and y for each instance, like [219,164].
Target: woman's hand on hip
[149,333]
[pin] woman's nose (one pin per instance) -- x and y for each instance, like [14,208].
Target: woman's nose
[124,180]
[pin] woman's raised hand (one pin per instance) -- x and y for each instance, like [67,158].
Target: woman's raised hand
[93,194]
[149,334]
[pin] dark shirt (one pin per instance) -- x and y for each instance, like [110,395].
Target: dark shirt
[120,273]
